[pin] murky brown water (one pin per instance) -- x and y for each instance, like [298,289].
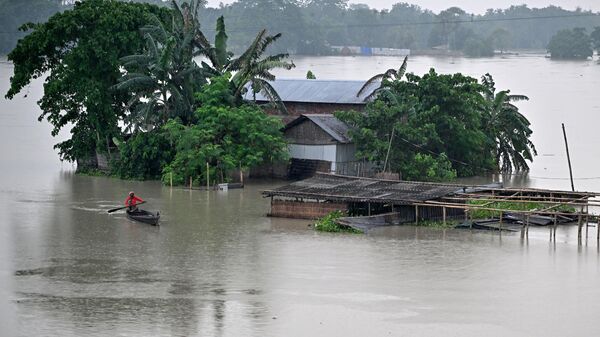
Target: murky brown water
[218,267]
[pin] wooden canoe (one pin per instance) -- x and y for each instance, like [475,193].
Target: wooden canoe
[144,216]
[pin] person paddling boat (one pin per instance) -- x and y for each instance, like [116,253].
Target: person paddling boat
[132,201]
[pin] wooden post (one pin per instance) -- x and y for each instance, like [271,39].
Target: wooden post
[207,176]
[171,178]
[501,216]
[241,175]
[416,215]
[191,181]
[587,220]
[369,208]
[444,214]
[568,157]
[527,226]
[598,230]
[579,225]
[554,229]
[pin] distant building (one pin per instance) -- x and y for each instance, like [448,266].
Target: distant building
[302,96]
[320,143]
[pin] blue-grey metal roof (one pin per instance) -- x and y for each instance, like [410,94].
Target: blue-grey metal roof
[317,91]
[337,129]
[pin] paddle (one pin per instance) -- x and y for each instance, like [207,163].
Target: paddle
[120,208]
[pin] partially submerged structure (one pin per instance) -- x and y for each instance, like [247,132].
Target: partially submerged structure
[380,202]
[317,196]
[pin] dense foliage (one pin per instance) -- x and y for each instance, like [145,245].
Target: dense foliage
[79,51]
[571,44]
[437,127]
[329,223]
[226,137]
[143,156]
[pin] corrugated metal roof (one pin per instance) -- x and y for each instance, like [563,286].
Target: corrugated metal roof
[337,129]
[316,91]
[354,189]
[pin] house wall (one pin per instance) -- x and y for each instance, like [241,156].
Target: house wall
[298,108]
[303,209]
[315,152]
[308,133]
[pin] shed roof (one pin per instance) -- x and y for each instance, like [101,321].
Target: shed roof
[324,186]
[316,91]
[337,129]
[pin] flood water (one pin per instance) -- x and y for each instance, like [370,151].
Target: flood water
[217,266]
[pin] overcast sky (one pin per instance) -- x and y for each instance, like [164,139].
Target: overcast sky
[471,6]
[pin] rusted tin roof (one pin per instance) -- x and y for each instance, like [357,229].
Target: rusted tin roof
[332,187]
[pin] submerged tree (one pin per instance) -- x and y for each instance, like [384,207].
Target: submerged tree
[507,127]
[571,44]
[79,50]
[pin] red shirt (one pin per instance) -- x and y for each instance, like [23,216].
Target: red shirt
[132,201]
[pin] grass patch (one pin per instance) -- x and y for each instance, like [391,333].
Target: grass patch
[329,223]
[512,206]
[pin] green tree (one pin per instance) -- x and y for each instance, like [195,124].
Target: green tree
[438,117]
[310,75]
[79,51]
[507,127]
[227,136]
[571,44]
[251,68]
[385,81]
[165,77]
[500,39]
[595,36]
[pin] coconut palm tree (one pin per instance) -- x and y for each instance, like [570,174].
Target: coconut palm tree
[508,129]
[384,79]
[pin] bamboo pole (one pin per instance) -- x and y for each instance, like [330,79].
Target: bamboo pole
[555,225]
[444,214]
[171,178]
[501,219]
[568,157]
[598,230]
[191,181]
[579,225]
[207,176]
[417,215]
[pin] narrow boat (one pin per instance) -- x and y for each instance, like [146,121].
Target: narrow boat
[144,216]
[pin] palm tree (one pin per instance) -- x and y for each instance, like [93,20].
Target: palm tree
[507,127]
[164,79]
[252,69]
[385,79]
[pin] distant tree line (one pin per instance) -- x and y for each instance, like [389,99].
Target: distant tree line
[312,26]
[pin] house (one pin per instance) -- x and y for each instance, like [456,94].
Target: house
[320,143]
[303,96]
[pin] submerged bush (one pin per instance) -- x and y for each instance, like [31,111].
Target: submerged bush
[329,223]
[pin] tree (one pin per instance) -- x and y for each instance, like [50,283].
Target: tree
[79,50]
[595,36]
[164,79]
[310,75]
[227,136]
[500,39]
[385,80]
[251,67]
[438,117]
[571,44]
[507,127]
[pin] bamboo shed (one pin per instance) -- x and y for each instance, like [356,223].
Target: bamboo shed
[319,195]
